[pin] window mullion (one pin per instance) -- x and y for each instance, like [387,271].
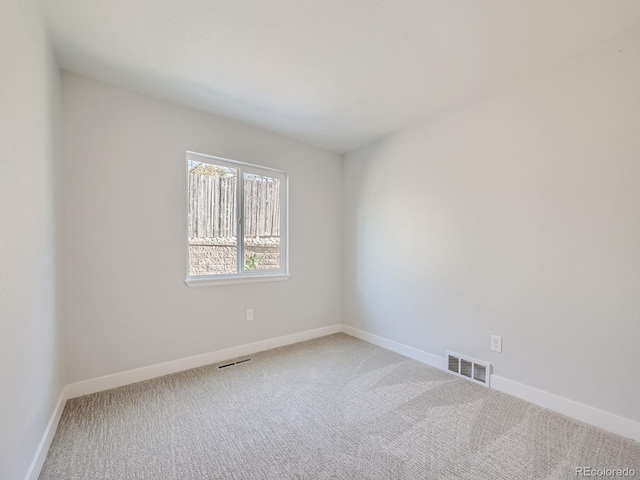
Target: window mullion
[240,225]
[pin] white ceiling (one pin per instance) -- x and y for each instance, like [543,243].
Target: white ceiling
[333,73]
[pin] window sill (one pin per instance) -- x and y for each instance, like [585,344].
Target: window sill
[213,281]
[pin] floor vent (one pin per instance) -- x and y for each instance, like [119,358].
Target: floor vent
[469,368]
[231,364]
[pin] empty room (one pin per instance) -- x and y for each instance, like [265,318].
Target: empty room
[319,239]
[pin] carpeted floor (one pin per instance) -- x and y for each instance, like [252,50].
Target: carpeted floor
[335,407]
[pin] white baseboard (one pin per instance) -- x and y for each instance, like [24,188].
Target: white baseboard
[593,416]
[585,413]
[146,373]
[43,448]
[153,371]
[407,351]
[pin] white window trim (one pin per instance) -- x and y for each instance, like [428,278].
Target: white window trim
[214,280]
[242,276]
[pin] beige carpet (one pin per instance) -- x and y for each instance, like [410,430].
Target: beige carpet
[334,407]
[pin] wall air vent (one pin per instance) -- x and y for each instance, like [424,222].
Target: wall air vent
[469,368]
[231,364]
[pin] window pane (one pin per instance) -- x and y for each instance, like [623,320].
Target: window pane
[261,222]
[212,227]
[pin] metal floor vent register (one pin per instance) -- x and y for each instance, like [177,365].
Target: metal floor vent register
[469,368]
[231,364]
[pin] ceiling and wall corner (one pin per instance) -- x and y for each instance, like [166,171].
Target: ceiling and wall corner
[331,73]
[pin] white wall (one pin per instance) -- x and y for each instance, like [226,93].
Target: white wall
[31,347]
[126,304]
[517,215]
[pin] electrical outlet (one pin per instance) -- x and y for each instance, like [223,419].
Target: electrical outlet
[496,343]
[249,314]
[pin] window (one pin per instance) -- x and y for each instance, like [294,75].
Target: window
[237,221]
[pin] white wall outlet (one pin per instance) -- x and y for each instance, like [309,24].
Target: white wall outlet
[496,343]
[249,314]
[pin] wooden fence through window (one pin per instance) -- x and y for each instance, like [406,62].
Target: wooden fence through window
[212,206]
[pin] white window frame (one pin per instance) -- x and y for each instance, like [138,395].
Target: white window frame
[242,275]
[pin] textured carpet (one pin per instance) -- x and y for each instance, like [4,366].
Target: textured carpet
[335,407]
